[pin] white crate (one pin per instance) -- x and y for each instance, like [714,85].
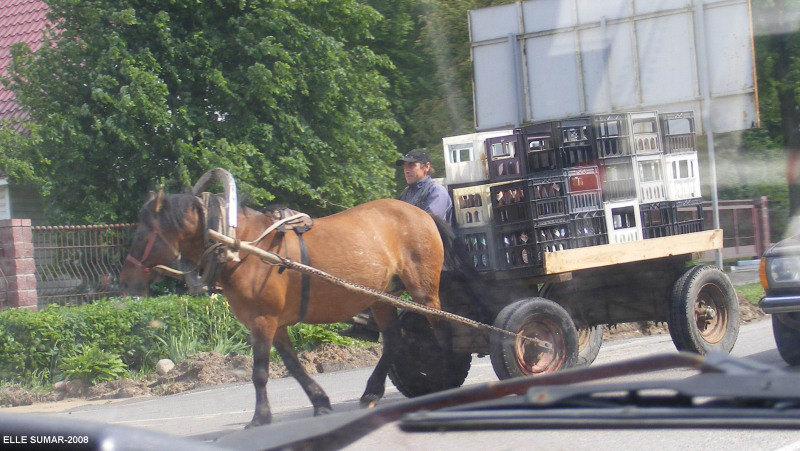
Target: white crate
[472,206]
[650,185]
[682,176]
[623,221]
[465,157]
[645,137]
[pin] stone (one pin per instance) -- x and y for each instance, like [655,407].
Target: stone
[164,366]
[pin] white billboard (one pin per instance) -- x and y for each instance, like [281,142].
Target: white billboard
[549,59]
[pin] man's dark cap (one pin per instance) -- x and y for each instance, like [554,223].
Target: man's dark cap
[414,156]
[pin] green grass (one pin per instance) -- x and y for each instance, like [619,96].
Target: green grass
[753,292]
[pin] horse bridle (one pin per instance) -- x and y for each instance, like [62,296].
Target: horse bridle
[151,240]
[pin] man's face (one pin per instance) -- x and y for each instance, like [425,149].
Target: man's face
[415,171]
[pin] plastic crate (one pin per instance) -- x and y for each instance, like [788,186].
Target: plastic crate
[618,179]
[472,206]
[623,221]
[548,195]
[645,137]
[650,185]
[682,176]
[588,229]
[583,189]
[465,157]
[510,202]
[480,246]
[558,144]
[689,214]
[524,245]
[678,131]
[612,137]
[505,157]
[658,219]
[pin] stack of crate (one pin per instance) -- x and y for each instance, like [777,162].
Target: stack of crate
[573,183]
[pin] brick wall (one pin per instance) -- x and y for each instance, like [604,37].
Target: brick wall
[16,263]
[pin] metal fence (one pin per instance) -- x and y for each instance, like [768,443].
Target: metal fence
[78,264]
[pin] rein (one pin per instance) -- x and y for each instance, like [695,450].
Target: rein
[148,248]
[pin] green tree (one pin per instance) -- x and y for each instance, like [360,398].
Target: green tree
[284,94]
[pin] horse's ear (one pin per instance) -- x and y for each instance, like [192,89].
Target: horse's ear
[159,204]
[150,196]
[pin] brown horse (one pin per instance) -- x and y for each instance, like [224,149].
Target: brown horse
[386,244]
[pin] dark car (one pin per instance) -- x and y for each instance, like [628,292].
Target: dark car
[780,276]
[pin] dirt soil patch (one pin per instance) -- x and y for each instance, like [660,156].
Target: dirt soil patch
[208,369]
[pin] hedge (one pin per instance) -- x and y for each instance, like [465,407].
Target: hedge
[112,336]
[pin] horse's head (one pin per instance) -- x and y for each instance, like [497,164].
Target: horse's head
[168,226]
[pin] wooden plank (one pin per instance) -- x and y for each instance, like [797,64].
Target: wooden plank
[614,254]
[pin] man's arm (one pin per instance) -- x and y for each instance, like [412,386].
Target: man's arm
[438,202]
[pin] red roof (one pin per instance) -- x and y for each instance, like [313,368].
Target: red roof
[20,21]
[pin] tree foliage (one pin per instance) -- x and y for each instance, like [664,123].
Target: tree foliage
[286,95]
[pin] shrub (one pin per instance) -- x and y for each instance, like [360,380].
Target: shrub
[93,365]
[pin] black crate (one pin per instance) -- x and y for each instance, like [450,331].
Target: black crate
[558,144]
[588,229]
[658,219]
[689,214]
[524,245]
[618,179]
[480,245]
[612,137]
[510,203]
[505,157]
[678,132]
[583,189]
[548,195]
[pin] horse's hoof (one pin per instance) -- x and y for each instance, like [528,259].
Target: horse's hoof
[322,411]
[369,401]
[255,422]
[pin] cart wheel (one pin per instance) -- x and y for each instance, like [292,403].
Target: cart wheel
[534,318]
[589,341]
[786,329]
[419,367]
[704,311]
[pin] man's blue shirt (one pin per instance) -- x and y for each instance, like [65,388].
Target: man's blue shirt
[431,197]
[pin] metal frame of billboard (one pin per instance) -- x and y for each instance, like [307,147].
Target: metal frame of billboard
[548,59]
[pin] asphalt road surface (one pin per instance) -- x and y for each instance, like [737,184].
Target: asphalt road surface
[214,412]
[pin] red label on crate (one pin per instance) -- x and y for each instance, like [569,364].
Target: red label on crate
[586,182]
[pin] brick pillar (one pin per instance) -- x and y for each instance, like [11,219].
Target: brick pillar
[16,261]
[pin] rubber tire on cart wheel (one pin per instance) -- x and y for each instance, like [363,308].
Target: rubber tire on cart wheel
[704,311]
[419,365]
[590,339]
[787,338]
[538,318]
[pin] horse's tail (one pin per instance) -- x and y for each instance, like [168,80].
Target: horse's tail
[459,277]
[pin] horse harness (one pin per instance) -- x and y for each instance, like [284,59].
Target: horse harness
[285,219]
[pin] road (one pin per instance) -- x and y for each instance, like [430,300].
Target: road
[211,413]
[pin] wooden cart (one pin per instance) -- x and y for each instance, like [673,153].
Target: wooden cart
[568,301]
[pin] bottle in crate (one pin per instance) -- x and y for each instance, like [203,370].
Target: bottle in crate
[583,189]
[618,178]
[658,219]
[505,160]
[516,246]
[478,241]
[588,229]
[465,157]
[612,138]
[681,175]
[576,143]
[689,216]
[678,132]
[645,137]
[623,221]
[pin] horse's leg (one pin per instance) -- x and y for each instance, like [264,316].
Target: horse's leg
[261,335]
[319,399]
[386,318]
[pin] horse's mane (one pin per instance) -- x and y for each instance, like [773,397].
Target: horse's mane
[173,211]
